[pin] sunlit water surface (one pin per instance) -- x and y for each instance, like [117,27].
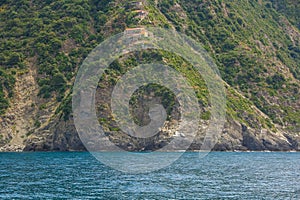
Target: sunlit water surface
[217,176]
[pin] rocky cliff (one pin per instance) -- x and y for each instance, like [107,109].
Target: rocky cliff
[255,45]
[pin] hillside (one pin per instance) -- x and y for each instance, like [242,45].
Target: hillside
[255,45]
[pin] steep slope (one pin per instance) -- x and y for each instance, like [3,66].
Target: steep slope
[44,42]
[289,8]
[255,51]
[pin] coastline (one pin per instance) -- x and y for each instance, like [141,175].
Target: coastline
[178,151]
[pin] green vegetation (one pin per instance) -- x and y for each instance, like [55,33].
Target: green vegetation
[249,47]
[250,42]
[6,89]
[290,8]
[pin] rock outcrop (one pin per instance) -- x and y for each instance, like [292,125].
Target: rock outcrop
[256,48]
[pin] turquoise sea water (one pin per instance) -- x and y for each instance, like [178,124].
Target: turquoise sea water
[217,176]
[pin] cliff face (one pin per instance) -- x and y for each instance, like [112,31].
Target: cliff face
[254,44]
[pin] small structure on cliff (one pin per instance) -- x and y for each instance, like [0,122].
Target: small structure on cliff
[141,13]
[136,32]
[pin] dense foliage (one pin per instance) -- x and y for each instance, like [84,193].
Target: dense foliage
[248,40]
[250,48]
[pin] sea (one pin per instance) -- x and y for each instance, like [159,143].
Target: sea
[219,175]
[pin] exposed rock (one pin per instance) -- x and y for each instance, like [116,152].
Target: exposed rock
[235,137]
[33,123]
[60,135]
[19,118]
